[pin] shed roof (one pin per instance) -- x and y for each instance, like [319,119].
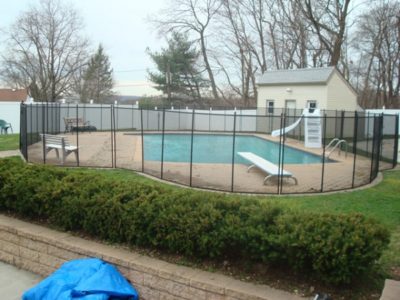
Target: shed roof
[13,95]
[311,75]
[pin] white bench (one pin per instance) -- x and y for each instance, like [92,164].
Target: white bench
[77,124]
[267,166]
[59,142]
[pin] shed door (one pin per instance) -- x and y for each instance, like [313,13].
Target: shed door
[290,104]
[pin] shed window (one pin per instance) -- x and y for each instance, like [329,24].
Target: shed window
[312,104]
[270,106]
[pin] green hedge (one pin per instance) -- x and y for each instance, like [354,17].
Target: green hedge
[337,248]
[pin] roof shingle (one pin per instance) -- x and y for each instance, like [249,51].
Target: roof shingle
[314,75]
[13,95]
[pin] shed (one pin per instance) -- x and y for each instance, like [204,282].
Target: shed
[323,88]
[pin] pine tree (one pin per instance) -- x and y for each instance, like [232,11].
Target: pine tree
[98,78]
[179,60]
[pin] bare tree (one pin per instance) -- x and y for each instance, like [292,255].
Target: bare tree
[45,49]
[378,42]
[193,16]
[235,51]
[329,21]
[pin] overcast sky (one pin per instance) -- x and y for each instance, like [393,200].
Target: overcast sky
[121,26]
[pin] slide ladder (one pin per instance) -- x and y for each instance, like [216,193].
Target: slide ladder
[333,145]
[312,128]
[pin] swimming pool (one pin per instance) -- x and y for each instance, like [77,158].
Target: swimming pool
[217,148]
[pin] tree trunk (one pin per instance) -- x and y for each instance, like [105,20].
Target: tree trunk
[207,65]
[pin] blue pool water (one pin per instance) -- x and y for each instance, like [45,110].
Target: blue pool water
[212,148]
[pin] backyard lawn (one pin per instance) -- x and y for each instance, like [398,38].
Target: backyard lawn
[9,142]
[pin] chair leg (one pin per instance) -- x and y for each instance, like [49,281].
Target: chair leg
[267,178]
[63,156]
[57,153]
[77,157]
[251,167]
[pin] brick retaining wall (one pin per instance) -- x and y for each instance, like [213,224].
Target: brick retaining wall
[41,251]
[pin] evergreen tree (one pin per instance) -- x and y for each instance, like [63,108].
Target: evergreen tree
[179,60]
[98,78]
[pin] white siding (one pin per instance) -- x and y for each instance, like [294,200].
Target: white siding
[340,95]
[300,93]
[9,112]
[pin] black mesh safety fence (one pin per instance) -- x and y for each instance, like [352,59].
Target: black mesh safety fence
[278,151]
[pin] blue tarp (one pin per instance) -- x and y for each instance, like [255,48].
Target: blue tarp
[84,279]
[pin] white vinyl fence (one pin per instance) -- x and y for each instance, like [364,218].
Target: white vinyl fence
[127,117]
[10,112]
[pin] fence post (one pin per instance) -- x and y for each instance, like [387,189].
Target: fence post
[31,125]
[23,135]
[111,133]
[46,111]
[283,153]
[355,137]
[376,146]
[367,146]
[323,155]
[43,132]
[373,148]
[133,111]
[58,118]
[77,134]
[380,140]
[115,136]
[158,121]
[141,126]
[162,143]
[84,111]
[396,142]
[233,150]
[101,116]
[280,152]
[335,135]
[26,132]
[342,125]
[20,124]
[37,122]
[191,149]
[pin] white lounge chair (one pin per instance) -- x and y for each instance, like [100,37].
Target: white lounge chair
[271,169]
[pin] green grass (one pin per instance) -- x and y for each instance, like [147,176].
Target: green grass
[9,142]
[381,202]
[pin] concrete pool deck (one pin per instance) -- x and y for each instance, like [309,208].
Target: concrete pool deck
[96,151]
[14,282]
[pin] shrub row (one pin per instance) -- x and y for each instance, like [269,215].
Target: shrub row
[203,225]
